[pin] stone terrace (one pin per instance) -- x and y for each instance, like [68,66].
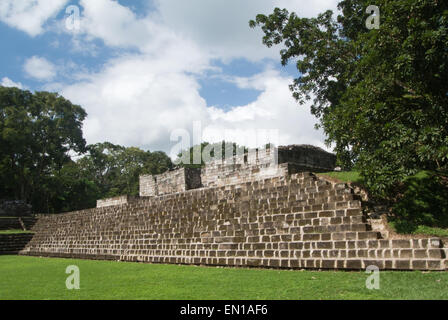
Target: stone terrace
[288,221]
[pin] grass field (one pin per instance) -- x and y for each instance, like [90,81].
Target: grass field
[343,176]
[44,278]
[14,231]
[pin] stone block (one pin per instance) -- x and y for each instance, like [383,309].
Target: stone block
[354,264]
[401,243]
[419,265]
[403,264]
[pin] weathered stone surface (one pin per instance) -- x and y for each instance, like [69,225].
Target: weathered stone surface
[148,186]
[307,157]
[13,243]
[179,180]
[116,201]
[253,210]
[263,223]
[255,165]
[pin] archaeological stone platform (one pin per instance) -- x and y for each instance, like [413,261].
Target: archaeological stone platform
[256,164]
[241,214]
[15,216]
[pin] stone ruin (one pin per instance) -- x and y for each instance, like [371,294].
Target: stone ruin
[14,208]
[14,215]
[248,211]
[255,165]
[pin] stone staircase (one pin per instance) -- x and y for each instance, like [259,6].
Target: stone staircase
[27,223]
[17,223]
[13,243]
[10,224]
[292,221]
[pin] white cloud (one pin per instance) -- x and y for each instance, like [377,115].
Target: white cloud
[115,24]
[305,8]
[274,110]
[139,99]
[6,82]
[29,15]
[222,26]
[219,27]
[40,68]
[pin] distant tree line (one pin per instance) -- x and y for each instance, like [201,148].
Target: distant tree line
[40,133]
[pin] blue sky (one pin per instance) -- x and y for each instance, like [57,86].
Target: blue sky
[146,70]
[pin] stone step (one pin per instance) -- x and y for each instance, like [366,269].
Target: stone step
[261,252]
[10,224]
[281,224]
[351,264]
[267,235]
[11,249]
[9,253]
[367,235]
[362,264]
[276,242]
[300,220]
[15,236]
[12,243]
[28,222]
[353,259]
[336,228]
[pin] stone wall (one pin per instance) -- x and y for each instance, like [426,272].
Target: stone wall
[170,182]
[116,201]
[221,174]
[255,165]
[307,157]
[10,224]
[296,221]
[267,163]
[13,243]
[148,186]
[192,178]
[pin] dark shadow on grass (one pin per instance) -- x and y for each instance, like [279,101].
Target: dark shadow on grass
[423,202]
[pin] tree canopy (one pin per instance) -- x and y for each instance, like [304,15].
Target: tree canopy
[105,170]
[40,133]
[37,133]
[116,169]
[381,95]
[207,152]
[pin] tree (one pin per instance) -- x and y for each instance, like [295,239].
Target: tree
[38,131]
[133,162]
[381,95]
[115,169]
[70,189]
[227,148]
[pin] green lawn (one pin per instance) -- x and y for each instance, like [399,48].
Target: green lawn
[44,278]
[343,176]
[422,230]
[14,231]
